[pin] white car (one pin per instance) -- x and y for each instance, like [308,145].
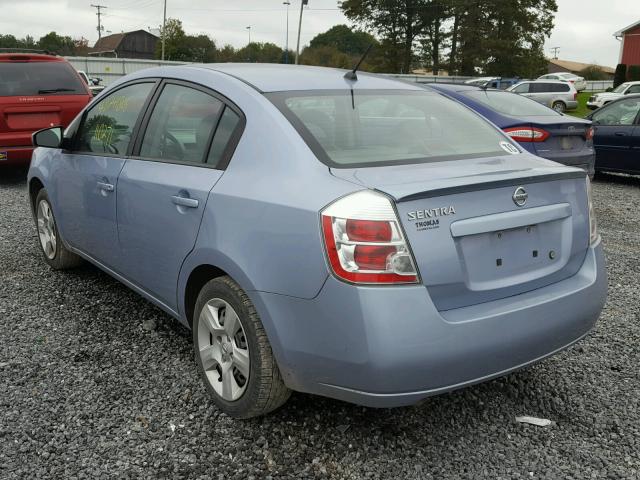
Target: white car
[601,99]
[579,82]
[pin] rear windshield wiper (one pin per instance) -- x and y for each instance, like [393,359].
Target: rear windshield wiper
[56,90]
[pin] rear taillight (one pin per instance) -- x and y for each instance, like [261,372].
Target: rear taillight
[364,241]
[590,132]
[575,96]
[527,134]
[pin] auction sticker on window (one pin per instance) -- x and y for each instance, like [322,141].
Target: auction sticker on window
[509,148]
[3,156]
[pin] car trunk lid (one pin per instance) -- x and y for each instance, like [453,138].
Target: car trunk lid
[472,243]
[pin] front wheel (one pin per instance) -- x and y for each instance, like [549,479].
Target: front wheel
[53,250]
[233,353]
[559,107]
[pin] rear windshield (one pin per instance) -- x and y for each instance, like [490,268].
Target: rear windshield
[375,128]
[510,103]
[39,78]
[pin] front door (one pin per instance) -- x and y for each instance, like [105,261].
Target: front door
[162,193]
[88,175]
[614,133]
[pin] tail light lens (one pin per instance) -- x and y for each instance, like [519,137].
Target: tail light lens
[590,133]
[364,241]
[527,134]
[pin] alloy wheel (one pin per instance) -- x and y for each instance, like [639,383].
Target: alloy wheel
[223,349]
[46,229]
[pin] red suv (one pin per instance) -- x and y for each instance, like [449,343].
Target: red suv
[36,91]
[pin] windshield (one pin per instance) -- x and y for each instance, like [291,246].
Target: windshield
[38,78]
[510,103]
[620,88]
[384,127]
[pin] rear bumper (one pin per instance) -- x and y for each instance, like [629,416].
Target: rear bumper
[15,155]
[386,347]
[585,159]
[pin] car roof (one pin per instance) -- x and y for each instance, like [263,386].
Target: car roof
[277,77]
[456,87]
[543,81]
[29,57]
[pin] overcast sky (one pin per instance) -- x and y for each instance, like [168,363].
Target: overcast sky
[584,28]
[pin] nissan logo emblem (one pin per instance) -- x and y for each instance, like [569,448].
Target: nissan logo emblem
[520,196]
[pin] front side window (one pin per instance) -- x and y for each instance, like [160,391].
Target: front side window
[633,89]
[181,125]
[108,125]
[372,128]
[39,78]
[510,104]
[619,113]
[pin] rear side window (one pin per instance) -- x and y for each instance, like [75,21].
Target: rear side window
[524,88]
[108,126]
[181,125]
[373,128]
[39,78]
[224,133]
[510,103]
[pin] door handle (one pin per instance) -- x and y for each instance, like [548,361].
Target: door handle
[185,202]
[106,187]
[621,134]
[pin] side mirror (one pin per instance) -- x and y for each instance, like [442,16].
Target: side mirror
[48,138]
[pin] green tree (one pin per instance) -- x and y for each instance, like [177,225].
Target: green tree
[52,42]
[634,73]
[260,53]
[399,23]
[620,76]
[345,40]
[326,56]
[174,39]
[593,72]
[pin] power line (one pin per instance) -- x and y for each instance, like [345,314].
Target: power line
[99,14]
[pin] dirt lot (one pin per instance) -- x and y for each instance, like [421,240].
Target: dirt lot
[96,382]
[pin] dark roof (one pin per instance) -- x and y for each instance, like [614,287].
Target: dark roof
[112,42]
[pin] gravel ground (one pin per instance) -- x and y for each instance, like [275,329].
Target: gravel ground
[96,382]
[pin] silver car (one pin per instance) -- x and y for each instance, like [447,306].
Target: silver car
[579,82]
[561,96]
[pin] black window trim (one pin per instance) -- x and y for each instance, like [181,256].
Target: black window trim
[279,99]
[154,81]
[231,146]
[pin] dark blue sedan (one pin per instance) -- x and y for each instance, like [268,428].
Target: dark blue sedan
[540,130]
[617,135]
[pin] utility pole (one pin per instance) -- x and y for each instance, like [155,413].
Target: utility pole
[249,30]
[302,4]
[555,51]
[286,48]
[164,24]
[99,14]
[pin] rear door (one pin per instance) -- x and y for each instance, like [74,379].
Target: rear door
[162,192]
[87,176]
[615,129]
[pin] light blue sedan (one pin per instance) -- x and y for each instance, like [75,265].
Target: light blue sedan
[348,236]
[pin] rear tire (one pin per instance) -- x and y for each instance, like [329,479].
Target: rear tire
[233,353]
[559,107]
[51,245]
